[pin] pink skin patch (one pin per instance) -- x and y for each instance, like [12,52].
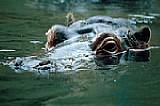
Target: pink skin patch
[50,39]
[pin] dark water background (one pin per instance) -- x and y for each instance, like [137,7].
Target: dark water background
[22,21]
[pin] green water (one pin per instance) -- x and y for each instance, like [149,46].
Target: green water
[132,84]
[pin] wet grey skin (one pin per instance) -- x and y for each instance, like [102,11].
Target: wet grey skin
[98,25]
[100,39]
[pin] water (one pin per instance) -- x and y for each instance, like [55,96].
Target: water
[24,22]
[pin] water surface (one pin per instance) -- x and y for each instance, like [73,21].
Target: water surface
[129,84]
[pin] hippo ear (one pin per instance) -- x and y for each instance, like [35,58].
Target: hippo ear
[144,34]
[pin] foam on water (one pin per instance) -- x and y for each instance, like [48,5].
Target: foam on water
[7,50]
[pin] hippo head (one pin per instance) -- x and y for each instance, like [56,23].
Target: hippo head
[140,39]
[106,44]
[55,35]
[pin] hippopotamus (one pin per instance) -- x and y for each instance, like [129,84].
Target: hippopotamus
[84,43]
[108,36]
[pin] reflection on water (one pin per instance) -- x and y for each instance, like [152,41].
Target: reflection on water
[84,6]
[130,84]
[123,58]
[75,64]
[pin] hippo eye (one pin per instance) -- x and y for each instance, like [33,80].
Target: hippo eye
[111,47]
